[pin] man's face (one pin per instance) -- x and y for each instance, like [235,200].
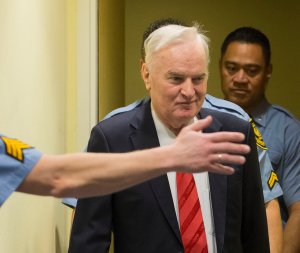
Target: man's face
[176,79]
[244,74]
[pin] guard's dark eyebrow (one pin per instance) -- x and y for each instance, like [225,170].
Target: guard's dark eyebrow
[243,65]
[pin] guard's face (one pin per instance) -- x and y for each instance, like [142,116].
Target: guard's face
[244,74]
[176,79]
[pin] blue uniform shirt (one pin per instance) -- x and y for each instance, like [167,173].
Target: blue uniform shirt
[281,132]
[16,161]
[271,187]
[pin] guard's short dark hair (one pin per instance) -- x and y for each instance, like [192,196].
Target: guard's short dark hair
[154,26]
[249,35]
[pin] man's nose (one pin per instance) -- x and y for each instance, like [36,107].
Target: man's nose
[187,88]
[240,76]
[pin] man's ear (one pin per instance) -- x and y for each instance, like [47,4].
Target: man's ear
[141,62]
[145,75]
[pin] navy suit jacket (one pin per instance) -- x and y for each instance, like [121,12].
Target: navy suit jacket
[142,218]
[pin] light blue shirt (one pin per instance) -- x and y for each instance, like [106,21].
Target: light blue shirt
[16,161]
[281,132]
[271,187]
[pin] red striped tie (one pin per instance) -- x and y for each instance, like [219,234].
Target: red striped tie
[190,215]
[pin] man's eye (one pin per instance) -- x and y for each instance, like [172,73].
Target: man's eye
[231,69]
[176,79]
[252,71]
[197,80]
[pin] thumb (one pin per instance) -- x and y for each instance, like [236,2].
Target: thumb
[201,124]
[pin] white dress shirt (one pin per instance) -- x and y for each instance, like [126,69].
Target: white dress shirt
[166,137]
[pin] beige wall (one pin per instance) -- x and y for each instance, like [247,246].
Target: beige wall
[280,20]
[48,98]
[33,77]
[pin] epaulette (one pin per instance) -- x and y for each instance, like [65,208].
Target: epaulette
[283,110]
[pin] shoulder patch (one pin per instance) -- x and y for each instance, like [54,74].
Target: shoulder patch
[14,148]
[273,179]
[259,139]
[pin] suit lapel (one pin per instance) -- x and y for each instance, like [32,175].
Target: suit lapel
[218,190]
[144,136]
[161,189]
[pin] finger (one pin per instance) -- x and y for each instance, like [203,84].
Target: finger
[219,158]
[200,124]
[225,136]
[230,148]
[222,169]
[226,159]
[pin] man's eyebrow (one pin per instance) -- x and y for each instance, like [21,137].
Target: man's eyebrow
[175,73]
[243,65]
[200,75]
[231,62]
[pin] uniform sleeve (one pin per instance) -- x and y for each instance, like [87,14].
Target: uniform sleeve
[17,159]
[269,179]
[291,170]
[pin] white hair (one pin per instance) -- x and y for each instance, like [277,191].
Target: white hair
[173,34]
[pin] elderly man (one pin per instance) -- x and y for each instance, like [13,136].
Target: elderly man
[165,214]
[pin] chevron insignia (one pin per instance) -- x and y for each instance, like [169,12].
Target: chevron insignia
[14,148]
[259,140]
[272,179]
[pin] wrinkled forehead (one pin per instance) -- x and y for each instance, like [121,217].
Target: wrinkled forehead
[181,58]
[185,59]
[246,52]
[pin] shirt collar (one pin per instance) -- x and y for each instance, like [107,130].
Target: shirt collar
[165,135]
[259,114]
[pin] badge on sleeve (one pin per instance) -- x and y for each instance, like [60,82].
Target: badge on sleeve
[14,148]
[259,140]
[272,179]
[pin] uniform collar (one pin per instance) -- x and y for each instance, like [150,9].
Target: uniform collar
[259,114]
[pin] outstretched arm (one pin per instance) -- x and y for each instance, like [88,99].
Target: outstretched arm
[274,226]
[292,230]
[88,174]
